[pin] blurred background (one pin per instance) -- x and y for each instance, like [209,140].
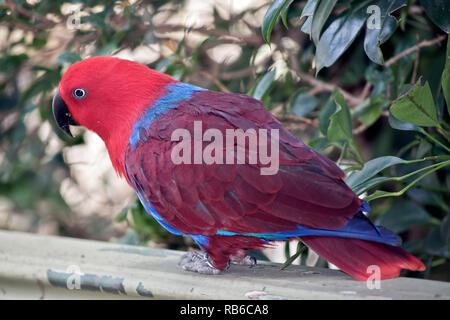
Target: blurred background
[50,184]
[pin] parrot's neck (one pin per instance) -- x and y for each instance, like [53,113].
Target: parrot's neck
[172,94]
[117,127]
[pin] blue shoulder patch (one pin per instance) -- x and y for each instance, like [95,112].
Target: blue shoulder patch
[174,93]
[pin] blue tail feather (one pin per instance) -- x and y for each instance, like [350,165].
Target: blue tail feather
[358,227]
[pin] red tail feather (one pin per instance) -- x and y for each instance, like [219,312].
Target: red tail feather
[354,256]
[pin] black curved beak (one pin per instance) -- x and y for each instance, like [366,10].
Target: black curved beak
[62,114]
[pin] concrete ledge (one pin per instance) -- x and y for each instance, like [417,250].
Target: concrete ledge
[45,267]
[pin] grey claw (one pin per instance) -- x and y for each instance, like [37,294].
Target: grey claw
[197,262]
[249,261]
[246,261]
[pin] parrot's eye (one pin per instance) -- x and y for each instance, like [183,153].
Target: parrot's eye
[79,93]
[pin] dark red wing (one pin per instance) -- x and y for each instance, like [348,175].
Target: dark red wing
[201,199]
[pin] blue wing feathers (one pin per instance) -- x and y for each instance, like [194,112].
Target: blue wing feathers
[358,227]
[175,93]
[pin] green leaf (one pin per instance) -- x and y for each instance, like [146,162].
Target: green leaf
[9,63]
[122,215]
[340,34]
[306,27]
[163,64]
[438,11]
[271,17]
[300,248]
[68,57]
[379,194]
[263,85]
[375,76]
[319,18]
[445,228]
[308,12]
[370,169]
[325,113]
[446,77]
[340,128]
[284,13]
[106,50]
[416,106]
[304,104]
[403,215]
[402,69]
[429,170]
[198,50]
[438,242]
[370,110]
[319,143]
[124,212]
[143,222]
[401,125]
[39,43]
[366,185]
[376,34]
[371,115]
[427,197]
[423,148]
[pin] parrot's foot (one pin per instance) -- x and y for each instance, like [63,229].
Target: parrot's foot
[197,262]
[246,260]
[241,258]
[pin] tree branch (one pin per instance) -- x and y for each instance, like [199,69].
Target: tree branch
[216,81]
[164,28]
[423,44]
[324,86]
[44,21]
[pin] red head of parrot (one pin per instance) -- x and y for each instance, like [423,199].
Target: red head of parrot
[107,95]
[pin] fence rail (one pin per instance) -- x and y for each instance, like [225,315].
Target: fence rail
[46,267]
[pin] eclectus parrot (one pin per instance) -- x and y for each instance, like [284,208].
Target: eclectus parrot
[227,208]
